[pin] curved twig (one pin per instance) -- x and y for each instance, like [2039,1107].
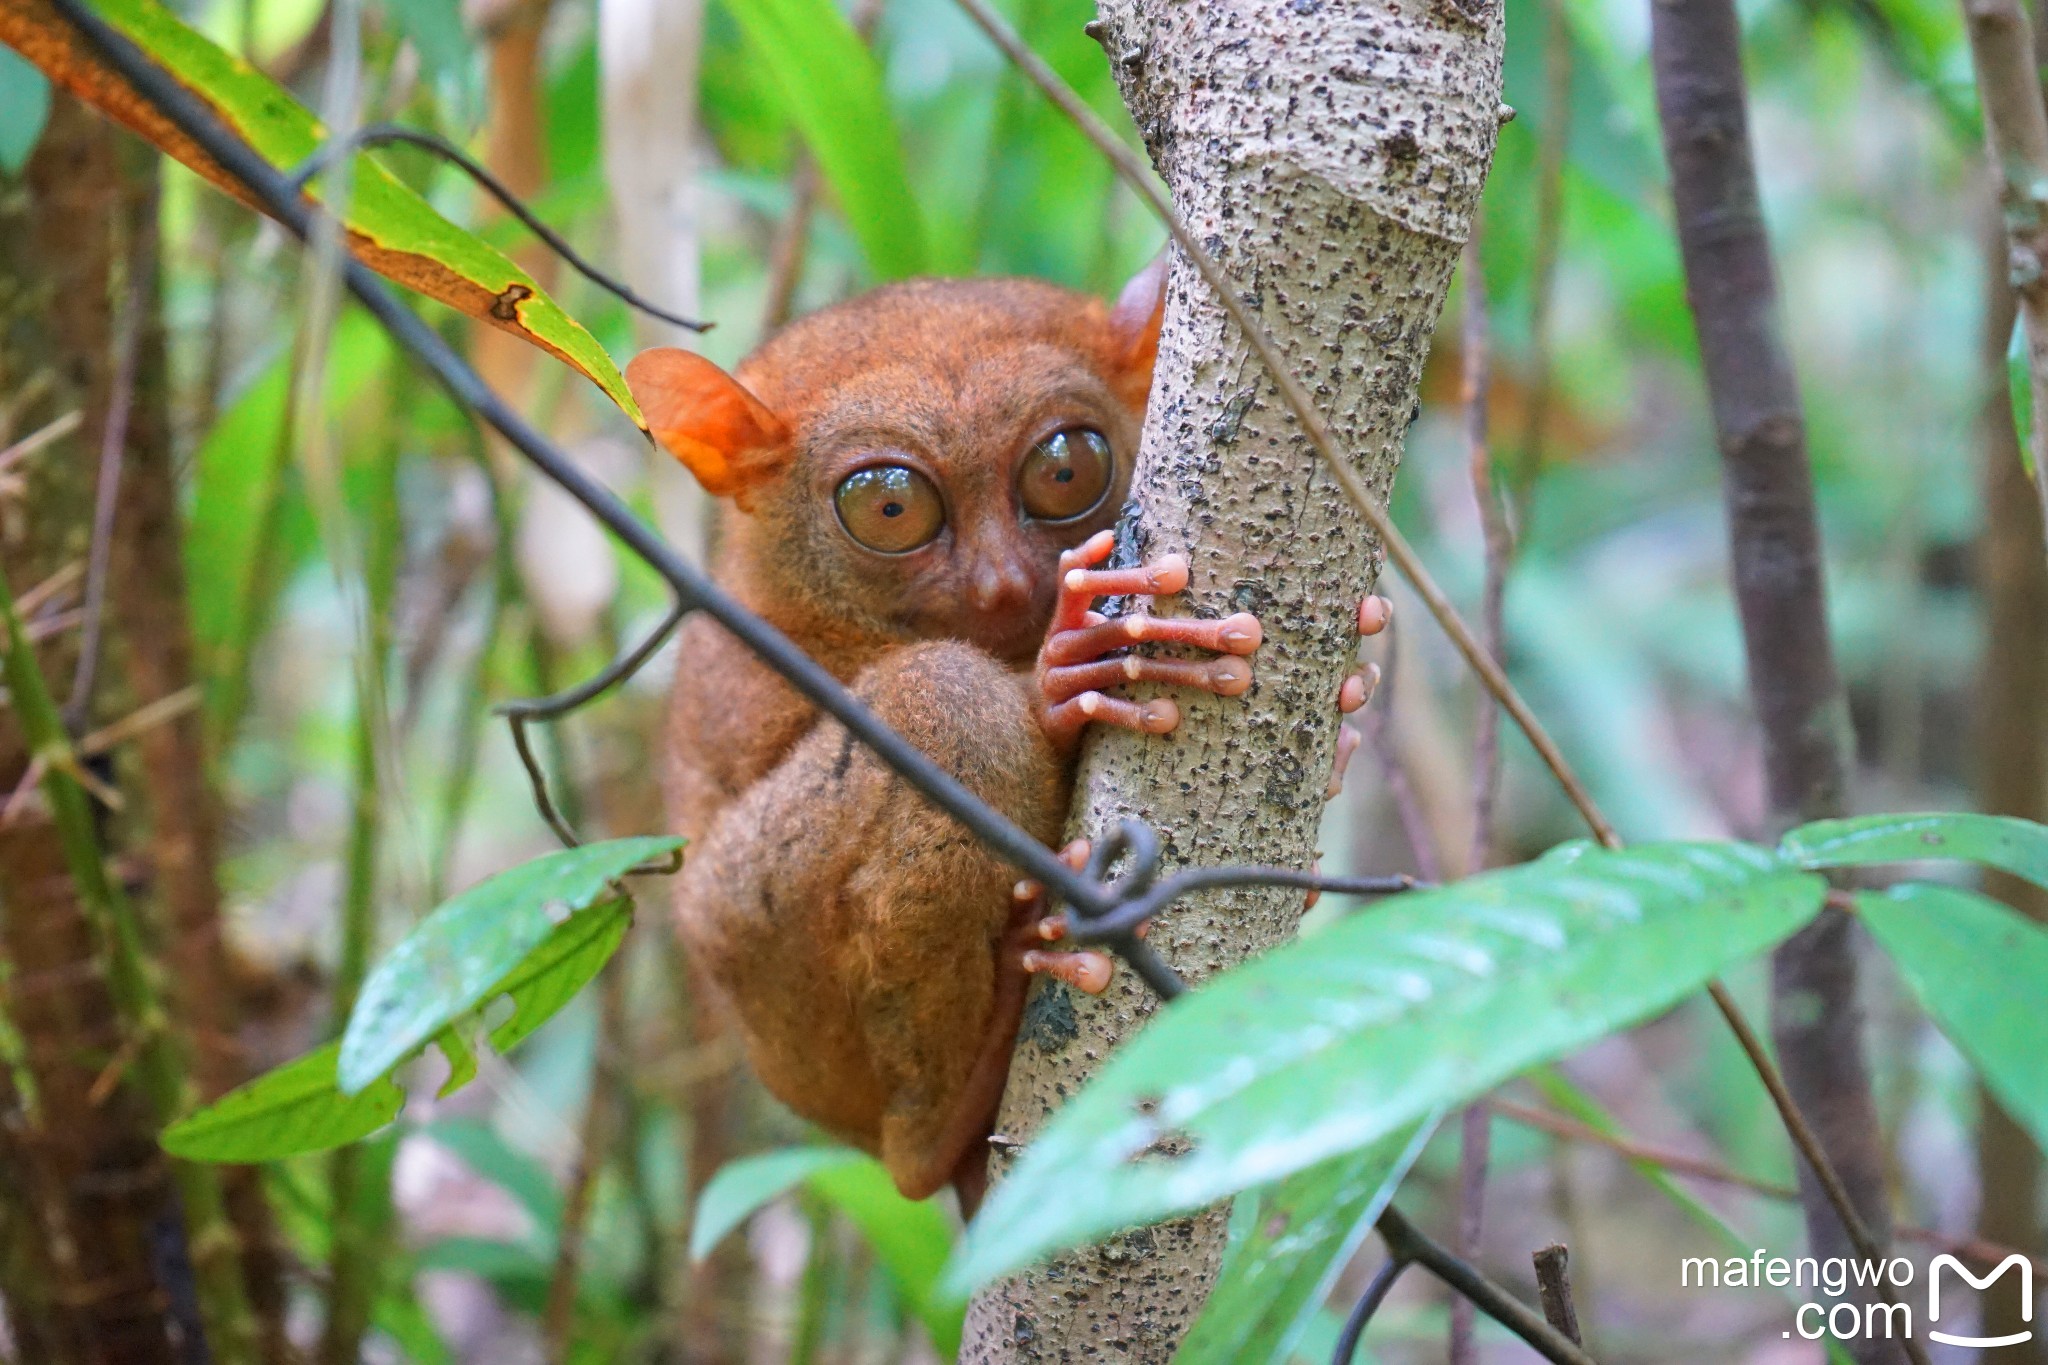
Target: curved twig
[1368,1304]
[384,134]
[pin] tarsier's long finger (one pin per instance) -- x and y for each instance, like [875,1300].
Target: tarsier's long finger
[1164,576]
[1238,634]
[1227,676]
[1155,717]
[1072,606]
[1357,688]
[1086,971]
[1348,741]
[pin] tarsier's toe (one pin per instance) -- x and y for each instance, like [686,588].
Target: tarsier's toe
[1374,614]
[1357,688]
[1086,971]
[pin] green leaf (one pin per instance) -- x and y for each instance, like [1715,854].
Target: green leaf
[832,88]
[910,1238]
[461,1060]
[392,230]
[1336,1041]
[294,1109]
[1300,1235]
[2001,841]
[474,946]
[1981,970]
[563,965]
[24,109]
[742,1188]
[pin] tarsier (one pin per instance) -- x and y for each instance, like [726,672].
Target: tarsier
[920,484]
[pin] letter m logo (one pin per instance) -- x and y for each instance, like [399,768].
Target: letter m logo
[2014,1262]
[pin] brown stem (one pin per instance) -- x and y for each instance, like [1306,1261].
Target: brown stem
[1474,1148]
[1553,138]
[1554,1289]
[1776,560]
[558,1319]
[2016,127]
[1499,548]
[2012,759]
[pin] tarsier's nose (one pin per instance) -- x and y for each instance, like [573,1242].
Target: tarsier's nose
[997,586]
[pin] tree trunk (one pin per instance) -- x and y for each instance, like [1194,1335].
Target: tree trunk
[2012,762]
[92,1184]
[1331,157]
[1775,557]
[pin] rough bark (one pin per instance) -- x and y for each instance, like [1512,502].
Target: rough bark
[1330,157]
[1775,558]
[2012,764]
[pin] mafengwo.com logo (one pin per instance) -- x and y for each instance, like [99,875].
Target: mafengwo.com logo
[1890,1315]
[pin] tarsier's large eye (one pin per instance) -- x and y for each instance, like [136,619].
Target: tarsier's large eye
[889,507]
[1066,474]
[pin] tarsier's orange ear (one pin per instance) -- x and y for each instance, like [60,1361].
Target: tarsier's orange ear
[704,417]
[1134,330]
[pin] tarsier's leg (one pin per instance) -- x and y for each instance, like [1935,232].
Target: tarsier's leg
[1071,667]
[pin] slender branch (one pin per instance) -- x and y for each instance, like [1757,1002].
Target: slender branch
[558,1317]
[1499,548]
[1553,141]
[107,490]
[47,434]
[1554,1289]
[1474,1150]
[1368,1304]
[1403,1238]
[384,134]
[2016,129]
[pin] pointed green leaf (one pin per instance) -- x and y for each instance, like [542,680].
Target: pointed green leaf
[294,1109]
[1325,1045]
[461,1060]
[743,1188]
[391,229]
[832,88]
[468,950]
[563,965]
[2001,841]
[1300,1234]
[1981,970]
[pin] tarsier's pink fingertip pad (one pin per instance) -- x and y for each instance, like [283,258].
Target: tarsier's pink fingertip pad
[1241,633]
[1169,573]
[1374,614]
[1230,676]
[1351,694]
[1159,715]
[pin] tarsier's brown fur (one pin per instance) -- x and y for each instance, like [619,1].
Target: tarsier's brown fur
[871,953]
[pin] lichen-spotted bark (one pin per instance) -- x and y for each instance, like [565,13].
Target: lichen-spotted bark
[1330,156]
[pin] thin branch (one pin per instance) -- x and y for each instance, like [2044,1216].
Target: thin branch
[1554,1290]
[1474,1149]
[558,1317]
[1404,1239]
[1499,548]
[2016,129]
[107,490]
[42,436]
[1368,1304]
[384,134]
[1553,141]
[31,603]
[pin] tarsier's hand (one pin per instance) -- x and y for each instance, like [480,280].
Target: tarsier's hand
[1071,667]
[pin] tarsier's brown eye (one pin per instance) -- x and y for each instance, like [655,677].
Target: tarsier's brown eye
[891,508]
[1066,474]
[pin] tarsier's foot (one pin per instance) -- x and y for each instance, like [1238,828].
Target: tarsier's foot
[1031,929]
[1071,667]
[1374,615]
